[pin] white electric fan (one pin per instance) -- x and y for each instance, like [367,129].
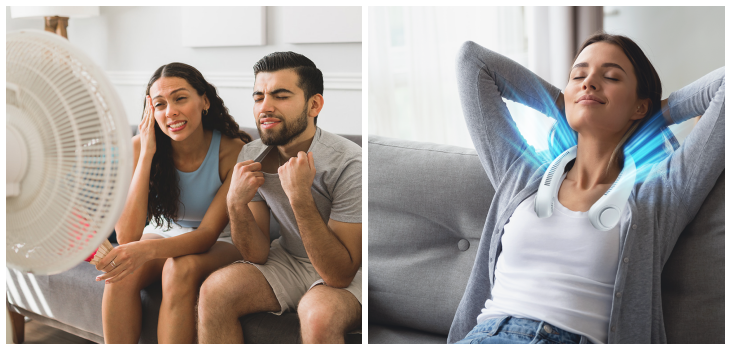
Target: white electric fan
[69,157]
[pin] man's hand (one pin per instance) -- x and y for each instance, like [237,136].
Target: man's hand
[297,175]
[245,180]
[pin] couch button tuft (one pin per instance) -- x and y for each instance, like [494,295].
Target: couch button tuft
[463,244]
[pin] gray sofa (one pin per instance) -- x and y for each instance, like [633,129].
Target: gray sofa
[427,205]
[54,300]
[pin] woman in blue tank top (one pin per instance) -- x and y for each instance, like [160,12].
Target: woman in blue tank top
[184,155]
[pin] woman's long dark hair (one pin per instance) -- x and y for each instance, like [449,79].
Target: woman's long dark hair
[164,196]
[648,139]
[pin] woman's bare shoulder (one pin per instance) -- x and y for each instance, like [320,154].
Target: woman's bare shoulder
[230,149]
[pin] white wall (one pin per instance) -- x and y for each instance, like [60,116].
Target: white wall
[683,43]
[131,42]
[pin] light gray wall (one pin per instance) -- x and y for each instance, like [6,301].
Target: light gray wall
[683,43]
[131,42]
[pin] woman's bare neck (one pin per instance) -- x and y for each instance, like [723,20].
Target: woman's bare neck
[592,157]
[193,149]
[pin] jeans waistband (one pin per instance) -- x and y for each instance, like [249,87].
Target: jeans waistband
[532,328]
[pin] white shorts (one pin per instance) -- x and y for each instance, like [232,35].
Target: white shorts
[176,230]
[291,277]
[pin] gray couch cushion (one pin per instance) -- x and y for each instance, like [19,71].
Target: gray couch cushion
[72,298]
[693,279]
[427,205]
[378,334]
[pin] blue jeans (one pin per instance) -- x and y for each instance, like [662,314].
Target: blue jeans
[513,330]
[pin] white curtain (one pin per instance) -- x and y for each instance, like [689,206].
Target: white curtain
[412,87]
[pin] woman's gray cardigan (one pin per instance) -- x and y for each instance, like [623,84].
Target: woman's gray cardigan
[659,208]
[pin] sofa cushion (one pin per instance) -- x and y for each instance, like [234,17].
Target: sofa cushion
[427,205]
[693,279]
[378,334]
[72,297]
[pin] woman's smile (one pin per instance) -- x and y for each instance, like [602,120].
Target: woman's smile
[590,100]
[602,73]
[177,125]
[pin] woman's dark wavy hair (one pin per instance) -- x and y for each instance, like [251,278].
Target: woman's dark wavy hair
[164,196]
[648,139]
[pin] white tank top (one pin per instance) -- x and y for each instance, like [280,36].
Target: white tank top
[559,269]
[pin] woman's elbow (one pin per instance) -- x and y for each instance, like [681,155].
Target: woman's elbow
[123,240]
[466,54]
[121,235]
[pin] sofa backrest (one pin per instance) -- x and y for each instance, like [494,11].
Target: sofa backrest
[693,279]
[427,206]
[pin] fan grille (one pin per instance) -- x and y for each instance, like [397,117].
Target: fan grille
[78,141]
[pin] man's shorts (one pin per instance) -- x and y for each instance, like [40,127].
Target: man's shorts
[291,277]
[176,230]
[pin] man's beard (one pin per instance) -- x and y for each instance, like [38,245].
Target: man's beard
[287,132]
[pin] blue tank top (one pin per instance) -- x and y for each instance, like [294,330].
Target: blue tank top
[198,188]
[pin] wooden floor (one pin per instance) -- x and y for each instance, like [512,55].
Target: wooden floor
[38,333]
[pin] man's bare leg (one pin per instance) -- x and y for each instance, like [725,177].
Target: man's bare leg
[327,314]
[227,294]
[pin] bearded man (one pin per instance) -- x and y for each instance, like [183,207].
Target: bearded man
[310,180]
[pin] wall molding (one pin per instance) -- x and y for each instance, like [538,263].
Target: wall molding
[332,81]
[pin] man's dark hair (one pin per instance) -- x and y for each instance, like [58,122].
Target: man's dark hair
[310,77]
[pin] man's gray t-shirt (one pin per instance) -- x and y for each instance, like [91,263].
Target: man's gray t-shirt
[336,188]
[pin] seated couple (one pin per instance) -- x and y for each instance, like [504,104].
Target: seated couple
[197,214]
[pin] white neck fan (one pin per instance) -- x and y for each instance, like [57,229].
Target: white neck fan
[69,157]
[605,213]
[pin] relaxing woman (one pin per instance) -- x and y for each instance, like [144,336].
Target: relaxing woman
[559,279]
[184,155]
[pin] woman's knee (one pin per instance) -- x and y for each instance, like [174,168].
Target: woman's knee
[132,283]
[180,274]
